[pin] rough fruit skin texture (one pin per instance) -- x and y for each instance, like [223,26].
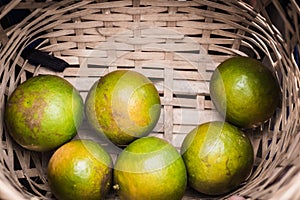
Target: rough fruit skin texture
[123,105]
[244,91]
[150,168]
[44,112]
[218,157]
[80,169]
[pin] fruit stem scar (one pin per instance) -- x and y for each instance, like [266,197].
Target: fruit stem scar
[116,187]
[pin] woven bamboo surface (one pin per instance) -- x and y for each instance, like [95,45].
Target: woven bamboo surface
[177,44]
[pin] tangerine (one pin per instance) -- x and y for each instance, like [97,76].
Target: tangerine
[150,168]
[244,91]
[218,157]
[80,169]
[123,106]
[44,112]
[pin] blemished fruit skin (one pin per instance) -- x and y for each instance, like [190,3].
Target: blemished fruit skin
[123,105]
[244,91]
[44,112]
[80,169]
[218,157]
[150,168]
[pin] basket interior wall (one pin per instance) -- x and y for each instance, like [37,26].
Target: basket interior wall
[177,44]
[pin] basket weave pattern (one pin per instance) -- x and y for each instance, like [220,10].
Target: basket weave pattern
[177,44]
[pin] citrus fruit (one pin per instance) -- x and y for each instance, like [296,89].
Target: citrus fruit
[218,157]
[244,91]
[44,112]
[80,169]
[150,168]
[123,105]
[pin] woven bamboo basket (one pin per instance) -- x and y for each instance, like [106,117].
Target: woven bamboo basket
[177,44]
